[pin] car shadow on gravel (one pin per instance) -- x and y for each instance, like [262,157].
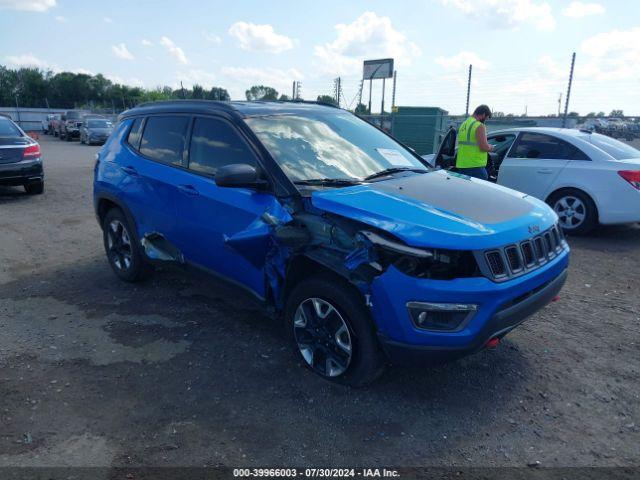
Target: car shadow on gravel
[8,194]
[236,382]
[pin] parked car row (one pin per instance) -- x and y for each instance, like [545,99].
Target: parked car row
[88,128]
[613,127]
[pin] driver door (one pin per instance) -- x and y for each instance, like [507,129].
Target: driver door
[533,163]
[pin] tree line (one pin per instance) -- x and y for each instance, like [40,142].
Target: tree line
[32,87]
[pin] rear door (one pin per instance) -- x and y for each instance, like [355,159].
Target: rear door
[221,228]
[534,162]
[151,172]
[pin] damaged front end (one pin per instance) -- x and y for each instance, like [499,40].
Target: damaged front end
[355,251]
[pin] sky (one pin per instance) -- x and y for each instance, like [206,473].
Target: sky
[520,49]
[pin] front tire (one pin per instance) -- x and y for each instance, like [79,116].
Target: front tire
[331,331]
[576,211]
[123,251]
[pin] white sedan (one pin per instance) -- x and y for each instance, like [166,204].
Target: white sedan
[587,178]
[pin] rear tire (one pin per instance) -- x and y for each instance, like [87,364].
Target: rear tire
[331,331]
[576,210]
[35,188]
[122,249]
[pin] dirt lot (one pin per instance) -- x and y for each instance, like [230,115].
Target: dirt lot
[178,371]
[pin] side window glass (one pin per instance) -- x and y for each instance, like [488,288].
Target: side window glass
[501,143]
[569,152]
[214,144]
[163,138]
[134,134]
[536,145]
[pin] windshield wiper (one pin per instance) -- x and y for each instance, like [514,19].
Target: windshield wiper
[327,181]
[389,171]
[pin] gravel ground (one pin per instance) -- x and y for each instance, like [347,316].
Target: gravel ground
[182,371]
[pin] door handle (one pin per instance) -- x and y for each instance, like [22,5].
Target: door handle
[545,170]
[130,171]
[188,190]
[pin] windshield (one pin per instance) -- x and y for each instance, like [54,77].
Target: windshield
[8,129]
[329,146]
[98,124]
[615,148]
[73,115]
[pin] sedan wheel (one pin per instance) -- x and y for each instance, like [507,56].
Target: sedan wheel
[571,211]
[323,337]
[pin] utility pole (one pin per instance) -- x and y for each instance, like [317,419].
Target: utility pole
[370,88]
[566,103]
[296,90]
[466,111]
[559,103]
[339,91]
[382,105]
[360,92]
[293,90]
[182,88]
[393,92]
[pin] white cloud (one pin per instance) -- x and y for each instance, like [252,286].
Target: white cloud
[26,60]
[107,20]
[259,38]
[462,61]
[580,9]
[82,70]
[28,5]
[132,82]
[244,77]
[368,36]
[61,19]
[612,55]
[211,37]
[122,52]
[146,43]
[501,14]
[174,50]
[193,76]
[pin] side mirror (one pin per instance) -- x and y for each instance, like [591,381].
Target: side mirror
[239,175]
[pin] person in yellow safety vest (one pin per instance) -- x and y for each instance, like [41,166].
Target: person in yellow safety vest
[472,144]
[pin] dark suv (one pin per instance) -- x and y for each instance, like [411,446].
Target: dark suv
[367,254]
[69,126]
[20,160]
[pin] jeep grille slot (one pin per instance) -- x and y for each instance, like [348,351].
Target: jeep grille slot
[527,254]
[515,265]
[496,264]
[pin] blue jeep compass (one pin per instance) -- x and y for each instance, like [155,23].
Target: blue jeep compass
[367,254]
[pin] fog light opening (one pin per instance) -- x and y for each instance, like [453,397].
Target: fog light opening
[440,316]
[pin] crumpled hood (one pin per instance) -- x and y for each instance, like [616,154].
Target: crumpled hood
[441,209]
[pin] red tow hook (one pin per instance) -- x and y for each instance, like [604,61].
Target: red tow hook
[492,343]
[556,298]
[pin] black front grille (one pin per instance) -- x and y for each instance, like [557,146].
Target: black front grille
[513,258]
[496,264]
[11,155]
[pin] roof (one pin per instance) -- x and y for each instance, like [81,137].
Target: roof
[245,109]
[567,132]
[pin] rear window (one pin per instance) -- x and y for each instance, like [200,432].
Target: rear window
[135,133]
[8,129]
[615,148]
[163,139]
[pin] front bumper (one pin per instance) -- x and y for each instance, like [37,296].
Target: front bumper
[72,133]
[20,173]
[501,307]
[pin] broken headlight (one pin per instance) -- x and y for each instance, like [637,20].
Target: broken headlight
[441,265]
